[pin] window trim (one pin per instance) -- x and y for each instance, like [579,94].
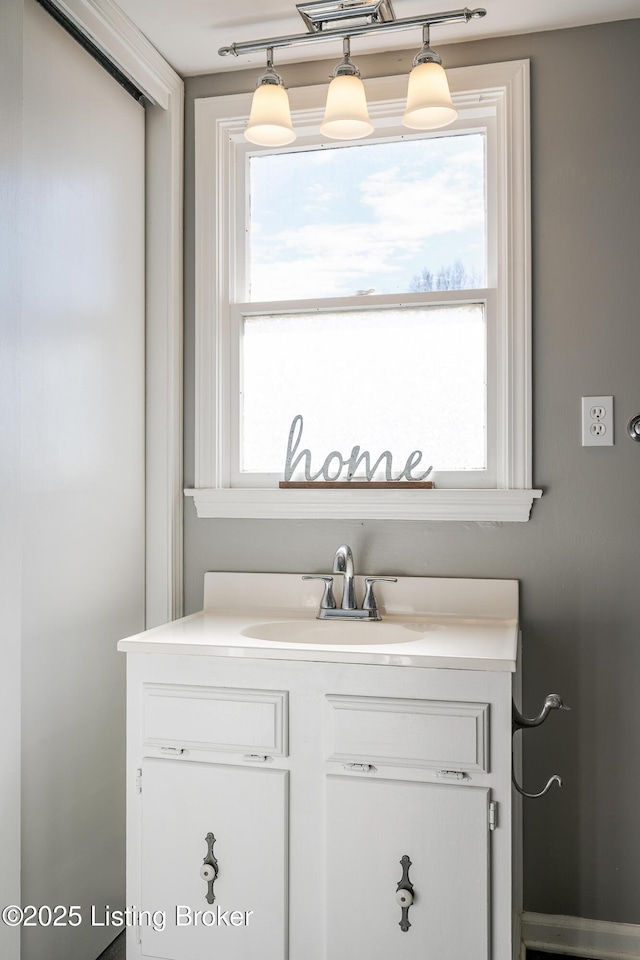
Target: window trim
[219,122]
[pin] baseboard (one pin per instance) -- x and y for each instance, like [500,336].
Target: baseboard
[575,937]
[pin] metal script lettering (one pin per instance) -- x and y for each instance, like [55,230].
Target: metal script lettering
[335,462]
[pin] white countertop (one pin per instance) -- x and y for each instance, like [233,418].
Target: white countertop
[434,613]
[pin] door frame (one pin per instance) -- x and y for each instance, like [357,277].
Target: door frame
[111,31]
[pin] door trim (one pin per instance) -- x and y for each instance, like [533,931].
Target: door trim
[108,27]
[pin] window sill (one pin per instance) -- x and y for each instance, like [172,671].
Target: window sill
[276,504]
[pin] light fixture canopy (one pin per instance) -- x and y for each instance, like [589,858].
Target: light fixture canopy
[429,104]
[270,118]
[325,14]
[346,116]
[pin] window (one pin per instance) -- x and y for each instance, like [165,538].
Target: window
[342,220]
[383,376]
[378,288]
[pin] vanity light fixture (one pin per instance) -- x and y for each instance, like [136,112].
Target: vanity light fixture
[429,104]
[270,118]
[346,116]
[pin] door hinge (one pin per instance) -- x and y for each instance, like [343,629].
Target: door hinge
[139,780]
[138,935]
[493,815]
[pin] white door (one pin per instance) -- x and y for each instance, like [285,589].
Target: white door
[246,810]
[83,475]
[443,829]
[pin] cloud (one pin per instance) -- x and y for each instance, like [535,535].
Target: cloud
[319,197]
[447,202]
[398,210]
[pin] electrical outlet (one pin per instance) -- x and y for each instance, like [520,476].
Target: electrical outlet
[597,422]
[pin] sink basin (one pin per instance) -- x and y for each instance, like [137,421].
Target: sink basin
[334,632]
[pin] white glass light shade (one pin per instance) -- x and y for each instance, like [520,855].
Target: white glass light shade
[429,103]
[270,118]
[346,116]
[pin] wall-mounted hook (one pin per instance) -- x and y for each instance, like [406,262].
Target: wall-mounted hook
[535,796]
[553,702]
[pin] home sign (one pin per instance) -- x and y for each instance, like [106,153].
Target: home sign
[339,470]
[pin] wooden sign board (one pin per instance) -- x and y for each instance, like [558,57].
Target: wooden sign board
[357,485]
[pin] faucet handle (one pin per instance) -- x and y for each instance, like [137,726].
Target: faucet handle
[328,601]
[369,602]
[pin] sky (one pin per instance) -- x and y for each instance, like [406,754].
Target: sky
[336,221]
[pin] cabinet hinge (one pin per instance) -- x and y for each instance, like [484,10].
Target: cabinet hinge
[139,780]
[493,814]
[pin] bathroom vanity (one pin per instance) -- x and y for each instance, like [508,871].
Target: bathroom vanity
[302,789]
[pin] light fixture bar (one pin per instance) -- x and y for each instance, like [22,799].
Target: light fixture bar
[338,33]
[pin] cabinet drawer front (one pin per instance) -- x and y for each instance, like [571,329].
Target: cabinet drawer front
[434,734]
[216,719]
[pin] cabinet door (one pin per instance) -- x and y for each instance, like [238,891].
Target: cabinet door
[371,825]
[246,809]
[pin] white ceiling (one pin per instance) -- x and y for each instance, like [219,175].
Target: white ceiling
[189,32]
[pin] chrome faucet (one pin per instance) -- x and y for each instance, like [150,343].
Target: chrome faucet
[348,610]
[343,563]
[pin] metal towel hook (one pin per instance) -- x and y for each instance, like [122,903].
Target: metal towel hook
[535,796]
[553,702]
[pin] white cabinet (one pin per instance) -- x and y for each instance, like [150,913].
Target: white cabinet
[319,767]
[371,825]
[316,779]
[245,810]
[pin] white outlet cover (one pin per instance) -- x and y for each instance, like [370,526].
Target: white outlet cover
[597,422]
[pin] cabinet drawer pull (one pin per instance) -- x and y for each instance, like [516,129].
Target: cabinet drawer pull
[209,869]
[173,751]
[405,894]
[452,775]
[257,758]
[360,767]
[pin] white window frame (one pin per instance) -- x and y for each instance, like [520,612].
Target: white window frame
[500,89]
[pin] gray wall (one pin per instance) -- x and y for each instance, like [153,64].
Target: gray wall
[578,558]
